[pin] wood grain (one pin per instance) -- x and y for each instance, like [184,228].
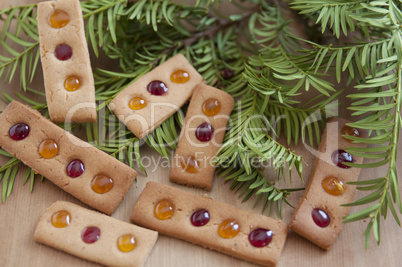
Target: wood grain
[22,210]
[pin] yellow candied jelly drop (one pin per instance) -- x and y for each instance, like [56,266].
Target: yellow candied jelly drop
[164,210]
[180,76]
[48,149]
[137,103]
[347,130]
[211,107]
[72,83]
[190,164]
[126,243]
[333,186]
[58,19]
[101,183]
[228,228]
[61,219]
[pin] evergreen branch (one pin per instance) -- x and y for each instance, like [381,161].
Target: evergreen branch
[247,184]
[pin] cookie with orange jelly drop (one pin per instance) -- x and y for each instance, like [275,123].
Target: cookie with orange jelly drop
[147,102]
[67,72]
[94,236]
[201,137]
[318,216]
[211,224]
[89,174]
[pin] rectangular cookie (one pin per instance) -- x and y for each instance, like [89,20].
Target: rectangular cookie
[201,137]
[148,110]
[180,226]
[325,193]
[60,24]
[52,164]
[64,226]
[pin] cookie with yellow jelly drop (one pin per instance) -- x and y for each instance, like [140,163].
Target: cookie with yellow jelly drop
[67,72]
[89,174]
[201,137]
[147,102]
[94,236]
[211,224]
[318,216]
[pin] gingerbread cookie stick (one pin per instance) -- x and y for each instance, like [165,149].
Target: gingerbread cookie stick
[67,72]
[80,169]
[94,236]
[318,216]
[148,102]
[201,137]
[212,224]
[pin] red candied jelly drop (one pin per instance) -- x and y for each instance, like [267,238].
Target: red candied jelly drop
[204,132]
[260,237]
[90,234]
[63,52]
[200,217]
[340,156]
[75,168]
[320,217]
[19,131]
[157,88]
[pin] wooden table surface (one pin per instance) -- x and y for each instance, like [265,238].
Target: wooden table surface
[22,210]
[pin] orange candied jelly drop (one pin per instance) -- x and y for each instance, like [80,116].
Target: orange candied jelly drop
[164,210]
[228,228]
[211,107]
[333,186]
[137,103]
[61,219]
[190,164]
[48,149]
[72,83]
[58,19]
[126,243]
[180,76]
[347,130]
[101,183]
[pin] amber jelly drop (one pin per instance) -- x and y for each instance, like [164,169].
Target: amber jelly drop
[19,131]
[180,76]
[101,184]
[157,88]
[340,156]
[204,132]
[260,237]
[63,52]
[190,164]
[58,19]
[126,243]
[333,186]
[211,107]
[320,218]
[228,228]
[61,219]
[347,130]
[90,234]
[164,210]
[75,168]
[137,103]
[48,149]
[72,83]
[200,218]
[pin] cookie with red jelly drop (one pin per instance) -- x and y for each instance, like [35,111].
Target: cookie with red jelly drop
[86,233]
[64,54]
[164,90]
